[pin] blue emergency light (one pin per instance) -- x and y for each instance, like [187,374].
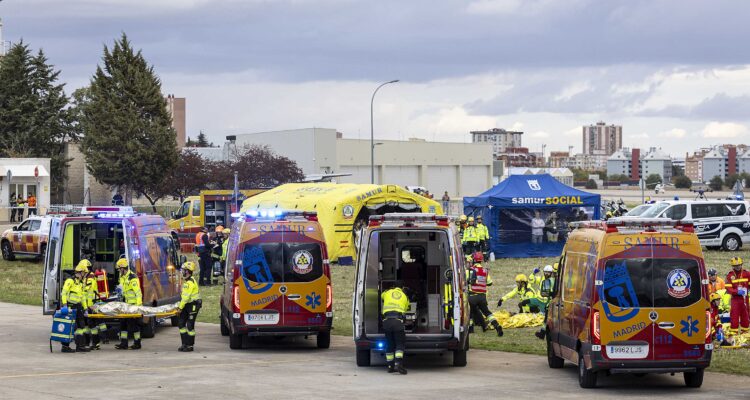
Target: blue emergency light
[380,345]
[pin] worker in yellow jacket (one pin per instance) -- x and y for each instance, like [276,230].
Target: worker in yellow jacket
[190,304]
[131,293]
[395,306]
[73,297]
[528,298]
[96,329]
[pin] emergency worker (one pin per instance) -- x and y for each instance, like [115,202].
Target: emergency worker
[217,248]
[737,284]
[74,298]
[546,288]
[714,282]
[131,292]
[203,248]
[484,235]
[395,306]
[525,296]
[470,238]
[479,279]
[190,304]
[224,248]
[96,329]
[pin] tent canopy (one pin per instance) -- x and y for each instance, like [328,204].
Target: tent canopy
[510,207]
[342,208]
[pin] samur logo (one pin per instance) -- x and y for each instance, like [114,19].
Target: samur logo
[534,184]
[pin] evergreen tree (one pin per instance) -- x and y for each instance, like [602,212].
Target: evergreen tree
[202,140]
[128,140]
[34,117]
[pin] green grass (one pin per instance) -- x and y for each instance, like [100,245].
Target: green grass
[21,283]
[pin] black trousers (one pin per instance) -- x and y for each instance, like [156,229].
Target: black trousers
[186,322]
[478,309]
[130,327]
[204,261]
[395,337]
[80,325]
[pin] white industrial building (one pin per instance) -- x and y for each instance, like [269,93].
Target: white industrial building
[462,169]
[23,177]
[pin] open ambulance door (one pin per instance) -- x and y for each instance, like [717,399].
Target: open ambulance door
[51,291]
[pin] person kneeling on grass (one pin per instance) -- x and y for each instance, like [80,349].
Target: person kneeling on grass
[528,298]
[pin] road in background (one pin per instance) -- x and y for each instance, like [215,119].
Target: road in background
[274,369]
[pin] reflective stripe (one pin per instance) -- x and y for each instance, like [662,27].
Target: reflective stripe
[95,331]
[389,356]
[399,354]
[62,320]
[86,331]
[183,330]
[728,285]
[739,280]
[102,327]
[191,333]
[60,335]
[123,335]
[137,335]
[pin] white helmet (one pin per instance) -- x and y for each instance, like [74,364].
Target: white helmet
[548,268]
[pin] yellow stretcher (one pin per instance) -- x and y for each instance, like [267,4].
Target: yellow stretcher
[126,316]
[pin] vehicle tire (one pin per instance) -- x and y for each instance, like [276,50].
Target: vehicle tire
[459,356]
[731,242]
[552,360]
[235,342]
[363,358]
[148,330]
[694,379]
[223,326]
[586,377]
[42,251]
[7,252]
[323,340]
[174,321]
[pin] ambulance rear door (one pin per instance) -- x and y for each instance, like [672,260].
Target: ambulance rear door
[51,291]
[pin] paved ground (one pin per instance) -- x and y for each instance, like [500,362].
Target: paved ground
[292,369]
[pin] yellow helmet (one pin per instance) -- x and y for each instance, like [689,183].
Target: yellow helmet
[122,263]
[83,266]
[189,265]
[471,219]
[714,296]
[556,266]
[226,231]
[522,278]
[463,218]
[735,261]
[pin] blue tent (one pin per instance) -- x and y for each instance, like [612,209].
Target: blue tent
[510,208]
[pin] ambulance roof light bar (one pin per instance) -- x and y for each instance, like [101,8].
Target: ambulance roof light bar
[276,214]
[107,210]
[408,219]
[649,224]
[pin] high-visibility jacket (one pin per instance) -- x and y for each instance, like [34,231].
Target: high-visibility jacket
[726,300]
[131,289]
[535,281]
[484,233]
[190,292]
[736,280]
[471,234]
[199,238]
[395,300]
[482,279]
[92,291]
[714,286]
[224,248]
[73,292]
[523,294]
[31,201]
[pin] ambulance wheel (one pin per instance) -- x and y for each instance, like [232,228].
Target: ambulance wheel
[694,379]
[148,330]
[552,360]
[223,327]
[586,377]
[363,358]
[7,252]
[174,321]
[731,242]
[324,340]
[235,342]
[42,251]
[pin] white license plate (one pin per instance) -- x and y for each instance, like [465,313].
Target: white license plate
[262,318]
[628,351]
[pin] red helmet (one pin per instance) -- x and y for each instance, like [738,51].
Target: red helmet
[478,256]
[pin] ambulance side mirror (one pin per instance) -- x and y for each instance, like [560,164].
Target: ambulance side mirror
[183,260]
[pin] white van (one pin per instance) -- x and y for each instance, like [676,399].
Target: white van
[718,223]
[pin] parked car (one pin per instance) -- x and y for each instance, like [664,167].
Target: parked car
[29,238]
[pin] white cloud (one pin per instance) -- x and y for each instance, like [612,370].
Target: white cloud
[642,135]
[517,126]
[519,7]
[540,135]
[675,133]
[724,130]
[575,131]
[571,90]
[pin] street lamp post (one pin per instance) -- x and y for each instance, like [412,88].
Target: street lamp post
[372,132]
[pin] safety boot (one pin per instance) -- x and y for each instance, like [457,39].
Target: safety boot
[498,328]
[82,349]
[391,367]
[67,349]
[400,368]
[122,346]
[540,334]
[182,348]
[136,345]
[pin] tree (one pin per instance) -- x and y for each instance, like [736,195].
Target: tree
[716,183]
[682,182]
[34,117]
[591,184]
[677,170]
[189,177]
[652,180]
[258,167]
[128,139]
[202,140]
[731,180]
[618,178]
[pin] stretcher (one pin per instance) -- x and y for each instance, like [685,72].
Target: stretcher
[126,316]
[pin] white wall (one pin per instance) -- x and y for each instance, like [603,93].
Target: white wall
[474,180]
[401,175]
[441,178]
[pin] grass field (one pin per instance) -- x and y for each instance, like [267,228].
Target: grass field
[21,282]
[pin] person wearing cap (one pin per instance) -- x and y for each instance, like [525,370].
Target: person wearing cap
[131,292]
[461,225]
[715,283]
[737,284]
[470,238]
[190,304]
[73,297]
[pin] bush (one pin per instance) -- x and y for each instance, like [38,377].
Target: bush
[682,182]
[591,184]
[652,180]
[716,183]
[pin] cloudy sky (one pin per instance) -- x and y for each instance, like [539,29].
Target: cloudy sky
[675,74]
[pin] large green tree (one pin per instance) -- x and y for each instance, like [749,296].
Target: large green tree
[35,120]
[128,140]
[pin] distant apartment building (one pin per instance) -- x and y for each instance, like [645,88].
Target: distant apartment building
[601,141]
[636,166]
[500,139]
[176,108]
[559,159]
[520,157]
[722,161]
[694,165]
